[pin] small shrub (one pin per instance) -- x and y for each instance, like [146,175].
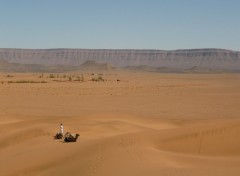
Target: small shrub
[41,76]
[98,79]
[9,76]
[51,76]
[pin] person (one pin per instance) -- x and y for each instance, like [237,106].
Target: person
[61,128]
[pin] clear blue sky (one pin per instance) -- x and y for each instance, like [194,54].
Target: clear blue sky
[137,24]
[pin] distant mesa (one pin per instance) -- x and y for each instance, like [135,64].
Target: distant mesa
[3,62]
[5,66]
[93,65]
[155,69]
[193,60]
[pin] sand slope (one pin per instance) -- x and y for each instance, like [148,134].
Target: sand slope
[146,124]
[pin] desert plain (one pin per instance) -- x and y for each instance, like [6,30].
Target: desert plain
[130,124]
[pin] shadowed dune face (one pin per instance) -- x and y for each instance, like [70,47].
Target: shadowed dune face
[144,124]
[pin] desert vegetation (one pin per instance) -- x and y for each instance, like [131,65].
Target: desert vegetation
[26,81]
[98,79]
[9,76]
[52,77]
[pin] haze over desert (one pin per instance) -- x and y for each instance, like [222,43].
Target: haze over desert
[132,123]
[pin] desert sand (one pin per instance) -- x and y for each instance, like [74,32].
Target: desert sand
[143,124]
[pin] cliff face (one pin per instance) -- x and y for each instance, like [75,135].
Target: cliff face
[206,58]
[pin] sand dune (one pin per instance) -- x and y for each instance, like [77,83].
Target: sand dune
[211,139]
[144,124]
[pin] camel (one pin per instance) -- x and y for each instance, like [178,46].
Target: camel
[68,137]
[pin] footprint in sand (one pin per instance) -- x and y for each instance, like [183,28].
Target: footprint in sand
[99,160]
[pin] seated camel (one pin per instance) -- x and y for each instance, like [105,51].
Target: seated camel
[68,137]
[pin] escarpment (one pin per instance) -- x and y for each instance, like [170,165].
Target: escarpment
[183,59]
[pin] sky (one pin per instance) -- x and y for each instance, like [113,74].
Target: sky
[120,24]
